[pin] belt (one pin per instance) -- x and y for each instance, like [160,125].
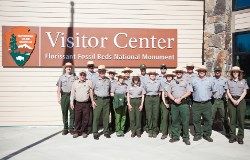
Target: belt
[202,101]
[136,98]
[218,98]
[82,102]
[236,97]
[103,97]
[152,95]
[66,93]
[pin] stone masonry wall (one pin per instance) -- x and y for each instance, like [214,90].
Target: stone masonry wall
[217,34]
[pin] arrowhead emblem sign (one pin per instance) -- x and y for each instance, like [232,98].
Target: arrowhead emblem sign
[20,43]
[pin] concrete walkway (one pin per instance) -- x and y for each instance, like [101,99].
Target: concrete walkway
[47,143]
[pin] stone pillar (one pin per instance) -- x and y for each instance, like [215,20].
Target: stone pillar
[217,34]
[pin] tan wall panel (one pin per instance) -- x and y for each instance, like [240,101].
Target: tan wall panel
[31,92]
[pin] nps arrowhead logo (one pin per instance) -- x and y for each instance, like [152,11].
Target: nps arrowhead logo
[20,43]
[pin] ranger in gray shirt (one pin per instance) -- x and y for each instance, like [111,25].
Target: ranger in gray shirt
[236,91]
[101,87]
[203,87]
[64,85]
[90,73]
[219,98]
[152,103]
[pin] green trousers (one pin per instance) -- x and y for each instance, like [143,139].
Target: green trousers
[165,124]
[203,110]
[219,106]
[120,119]
[102,106]
[65,106]
[237,115]
[135,116]
[180,115]
[152,108]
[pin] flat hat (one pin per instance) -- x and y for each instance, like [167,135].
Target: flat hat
[169,73]
[90,63]
[152,72]
[236,68]
[201,68]
[179,69]
[127,69]
[68,64]
[101,67]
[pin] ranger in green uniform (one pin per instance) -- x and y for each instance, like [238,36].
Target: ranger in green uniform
[118,91]
[152,103]
[135,98]
[64,85]
[178,91]
[219,97]
[203,89]
[165,124]
[236,91]
[101,87]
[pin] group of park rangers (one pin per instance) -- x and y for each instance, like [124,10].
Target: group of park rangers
[152,102]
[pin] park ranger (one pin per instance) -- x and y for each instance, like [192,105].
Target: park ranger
[118,91]
[203,88]
[91,74]
[236,91]
[80,93]
[152,103]
[101,88]
[135,99]
[165,125]
[189,75]
[127,71]
[144,76]
[219,98]
[160,77]
[64,85]
[178,91]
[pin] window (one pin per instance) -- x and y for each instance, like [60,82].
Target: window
[242,42]
[241,4]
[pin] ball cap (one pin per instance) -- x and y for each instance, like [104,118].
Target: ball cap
[143,66]
[163,66]
[217,68]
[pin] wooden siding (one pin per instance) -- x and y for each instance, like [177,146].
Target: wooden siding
[28,95]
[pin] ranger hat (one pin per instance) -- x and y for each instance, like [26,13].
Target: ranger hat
[169,73]
[163,66]
[83,71]
[236,68]
[90,64]
[101,67]
[143,66]
[152,72]
[121,76]
[201,68]
[68,64]
[217,68]
[136,75]
[127,69]
[189,65]
[111,71]
[179,69]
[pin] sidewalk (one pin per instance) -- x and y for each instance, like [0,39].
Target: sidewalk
[46,143]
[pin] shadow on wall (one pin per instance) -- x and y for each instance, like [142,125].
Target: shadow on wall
[70,51]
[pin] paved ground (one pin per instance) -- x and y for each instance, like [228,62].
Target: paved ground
[46,143]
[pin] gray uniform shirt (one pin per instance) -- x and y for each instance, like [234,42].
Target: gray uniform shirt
[65,82]
[80,91]
[236,87]
[202,89]
[190,77]
[220,84]
[128,81]
[135,91]
[164,87]
[160,78]
[101,87]
[144,78]
[179,87]
[90,76]
[120,88]
[152,87]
